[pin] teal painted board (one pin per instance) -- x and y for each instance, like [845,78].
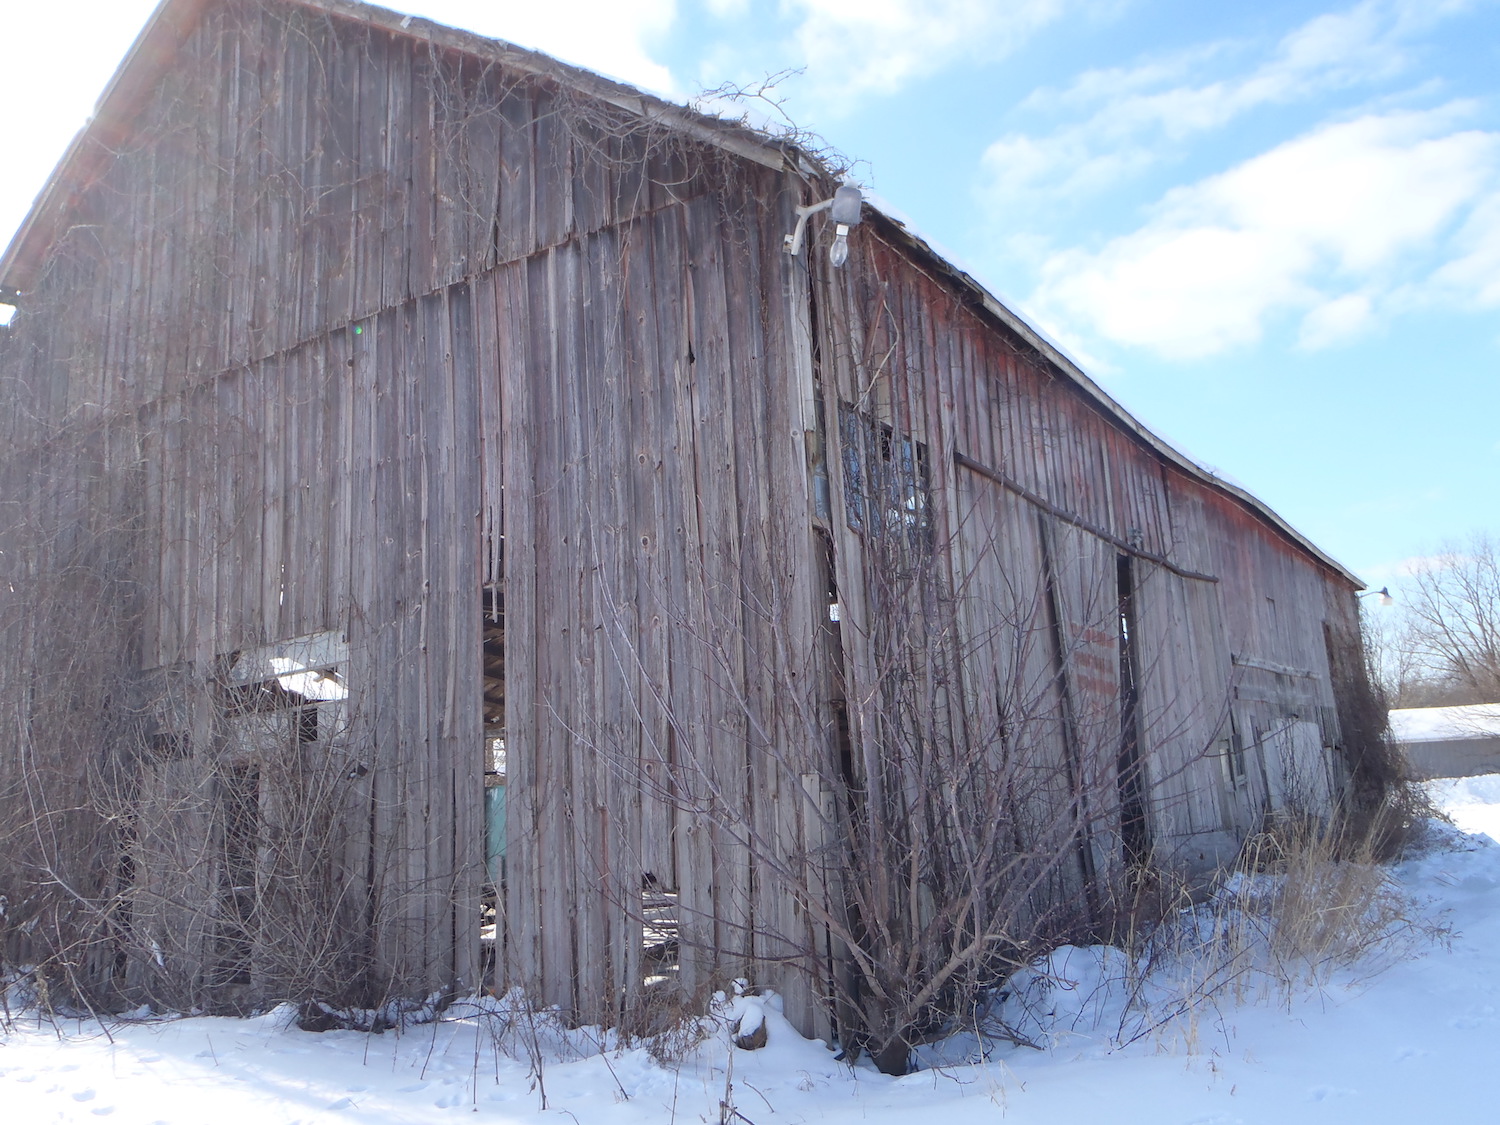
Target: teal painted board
[494,830]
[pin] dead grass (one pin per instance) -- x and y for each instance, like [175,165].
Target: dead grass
[1305,910]
[1302,910]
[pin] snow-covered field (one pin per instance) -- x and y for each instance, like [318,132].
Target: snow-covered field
[1418,1042]
[1472,803]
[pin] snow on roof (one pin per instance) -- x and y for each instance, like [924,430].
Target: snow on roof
[1443,724]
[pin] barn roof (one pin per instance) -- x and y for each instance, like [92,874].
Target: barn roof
[173,22]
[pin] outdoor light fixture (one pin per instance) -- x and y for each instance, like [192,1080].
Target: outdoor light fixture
[1384,593]
[846,204]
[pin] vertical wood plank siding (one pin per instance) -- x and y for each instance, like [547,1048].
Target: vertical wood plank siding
[367,308]
[355,327]
[647,425]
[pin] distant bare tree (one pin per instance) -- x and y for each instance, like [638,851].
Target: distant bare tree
[1404,678]
[1453,620]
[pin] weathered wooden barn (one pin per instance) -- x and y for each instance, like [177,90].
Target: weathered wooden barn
[392,414]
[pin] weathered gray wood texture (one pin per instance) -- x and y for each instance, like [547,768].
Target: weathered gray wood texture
[1033,484]
[336,291]
[352,326]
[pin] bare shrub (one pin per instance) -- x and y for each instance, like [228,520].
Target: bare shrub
[1453,618]
[1381,806]
[954,851]
[173,838]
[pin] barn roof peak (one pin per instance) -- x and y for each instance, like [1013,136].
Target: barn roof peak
[173,22]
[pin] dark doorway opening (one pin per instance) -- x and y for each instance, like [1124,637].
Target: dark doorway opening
[1134,828]
[493,894]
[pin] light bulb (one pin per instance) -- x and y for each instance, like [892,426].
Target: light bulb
[838,253]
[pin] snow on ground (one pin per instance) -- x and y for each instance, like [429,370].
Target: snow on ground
[1415,1043]
[1472,803]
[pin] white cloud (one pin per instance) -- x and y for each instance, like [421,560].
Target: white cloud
[878,46]
[1064,164]
[1428,564]
[1138,114]
[1186,291]
[1335,321]
[1325,223]
[612,37]
[1361,191]
[1474,277]
[1342,47]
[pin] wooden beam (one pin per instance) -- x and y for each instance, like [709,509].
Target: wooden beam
[1077,521]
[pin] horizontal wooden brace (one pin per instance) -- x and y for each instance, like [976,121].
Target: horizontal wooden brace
[1077,521]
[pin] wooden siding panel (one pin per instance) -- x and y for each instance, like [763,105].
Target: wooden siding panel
[525,786]
[1058,447]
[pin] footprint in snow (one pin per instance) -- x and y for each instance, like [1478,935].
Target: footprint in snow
[342,1103]
[83,1096]
[1324,1093]
[413,1088]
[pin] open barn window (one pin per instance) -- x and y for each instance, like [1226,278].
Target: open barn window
[297,675]
[287,694]
[1239,777]
[887,493]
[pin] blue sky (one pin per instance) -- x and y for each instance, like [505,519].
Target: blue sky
[1272,231]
